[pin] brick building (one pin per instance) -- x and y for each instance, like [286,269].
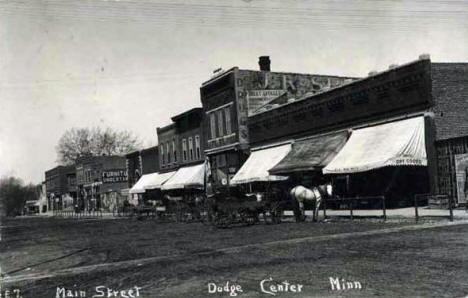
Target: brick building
[436,93]
[60,186]
[229,97]
[100,180]
[181,152]
[168,144]
[141,162]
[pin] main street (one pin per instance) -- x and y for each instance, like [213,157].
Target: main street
[398,258]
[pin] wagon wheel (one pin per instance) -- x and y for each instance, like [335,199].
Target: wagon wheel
[276,213]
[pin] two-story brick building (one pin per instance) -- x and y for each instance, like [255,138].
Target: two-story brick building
[400,131]
[180,159]
[182,145]
[100,180]
[60,186]
[230,96]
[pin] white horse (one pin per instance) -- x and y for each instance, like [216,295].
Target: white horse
[301,194]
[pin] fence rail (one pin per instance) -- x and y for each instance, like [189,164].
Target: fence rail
[418,198]
[352,201]
[78,214]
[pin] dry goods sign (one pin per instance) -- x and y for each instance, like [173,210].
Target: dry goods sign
[114,176]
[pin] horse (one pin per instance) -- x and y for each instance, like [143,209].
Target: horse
[317,193]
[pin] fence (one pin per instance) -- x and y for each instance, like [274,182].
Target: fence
[78,214]
[352,201]
[433,197]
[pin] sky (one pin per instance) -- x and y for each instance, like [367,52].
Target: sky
[131,65]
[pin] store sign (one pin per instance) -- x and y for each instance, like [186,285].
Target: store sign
[461,168]
[114,176]
[264,94]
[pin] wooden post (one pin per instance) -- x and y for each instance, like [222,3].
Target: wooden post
[384,210]
[416,214]
[324,209]
[450,207]
[351,208]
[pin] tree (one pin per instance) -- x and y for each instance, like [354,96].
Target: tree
[14,194]
[80,142]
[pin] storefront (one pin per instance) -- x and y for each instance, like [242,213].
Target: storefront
[148,187]
[389,160]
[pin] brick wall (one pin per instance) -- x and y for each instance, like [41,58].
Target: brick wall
[450,95]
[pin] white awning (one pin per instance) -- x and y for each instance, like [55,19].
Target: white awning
[186,177]
[259,162]
[400,143]
[157,179]
[151,181]
[139,187]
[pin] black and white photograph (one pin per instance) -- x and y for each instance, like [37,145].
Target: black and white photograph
[235,148]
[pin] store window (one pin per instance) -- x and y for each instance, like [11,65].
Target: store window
[213,125]
[184,149]
[227,117]
[190,145]
[197,147]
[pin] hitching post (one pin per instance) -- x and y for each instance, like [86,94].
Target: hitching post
[351,208]
[384,210]
[324,208]
[450,207]
[416,214]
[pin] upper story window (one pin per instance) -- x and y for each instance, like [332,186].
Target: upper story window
[184,149]
[174,150]
[190,145]
[197,147]
[213,125]
[162,155]
[220,122]
[227,118]
[168,153]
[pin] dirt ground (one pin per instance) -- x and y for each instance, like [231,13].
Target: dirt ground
[185,258]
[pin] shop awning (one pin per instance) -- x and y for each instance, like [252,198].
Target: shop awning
[139,187]
[151,181]
[400,143]
[186,177]
[311,154]
[158,179]
[259,162]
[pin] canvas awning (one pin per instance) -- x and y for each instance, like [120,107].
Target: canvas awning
[311,154]
[139,187]
[151,181]
[158,179]
[259,162]
[400,143]
[186,177]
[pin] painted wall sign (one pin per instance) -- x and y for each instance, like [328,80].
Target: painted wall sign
[461,168]
[114,176]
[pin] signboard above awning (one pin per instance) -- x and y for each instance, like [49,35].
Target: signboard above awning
[186,177]
[400,143]
[311,154]
[259,162]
